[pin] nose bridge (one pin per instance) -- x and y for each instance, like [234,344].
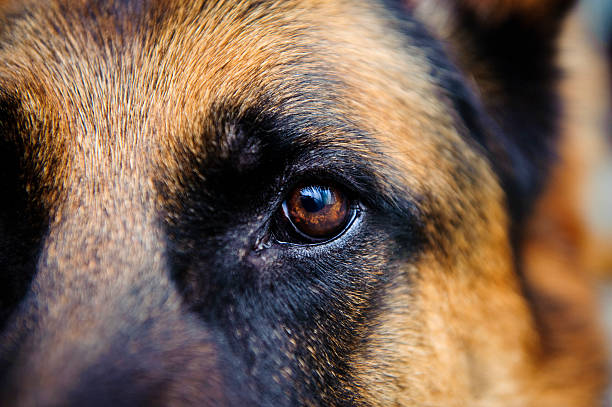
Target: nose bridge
[104,308]
[105,242]
[107,232]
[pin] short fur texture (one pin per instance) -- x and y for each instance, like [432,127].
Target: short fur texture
[146,148]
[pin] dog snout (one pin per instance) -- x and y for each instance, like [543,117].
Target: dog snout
[105,324]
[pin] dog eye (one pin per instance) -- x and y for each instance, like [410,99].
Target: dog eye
[317,212]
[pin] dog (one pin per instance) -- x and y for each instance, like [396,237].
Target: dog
[280,203]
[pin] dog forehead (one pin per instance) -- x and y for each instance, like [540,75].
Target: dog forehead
[174,58]
[121,82]
[92,61]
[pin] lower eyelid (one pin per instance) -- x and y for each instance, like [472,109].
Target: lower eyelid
[357,212]
[317,250]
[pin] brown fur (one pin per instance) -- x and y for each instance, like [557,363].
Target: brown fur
[112,111]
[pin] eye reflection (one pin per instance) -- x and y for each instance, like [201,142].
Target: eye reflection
[317,211]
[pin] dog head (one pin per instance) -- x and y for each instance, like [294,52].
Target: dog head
[277,203]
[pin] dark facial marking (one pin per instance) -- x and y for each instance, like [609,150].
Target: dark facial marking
[299,312]
[22,216]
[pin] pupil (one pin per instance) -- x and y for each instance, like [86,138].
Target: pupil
[314,199]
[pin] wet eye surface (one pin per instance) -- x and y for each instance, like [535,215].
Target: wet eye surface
[317,212]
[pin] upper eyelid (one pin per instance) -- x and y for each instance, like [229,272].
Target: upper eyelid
[364,190]
[335,173]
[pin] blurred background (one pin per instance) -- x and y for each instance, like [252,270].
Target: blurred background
[586,54]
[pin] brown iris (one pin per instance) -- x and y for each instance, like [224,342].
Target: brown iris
[317,211]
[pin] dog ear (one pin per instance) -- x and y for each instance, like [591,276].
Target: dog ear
[506,49]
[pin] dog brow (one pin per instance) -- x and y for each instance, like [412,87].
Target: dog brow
[255,149]
[326,144]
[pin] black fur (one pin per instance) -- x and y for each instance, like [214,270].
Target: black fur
[265,300]
[22,219]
